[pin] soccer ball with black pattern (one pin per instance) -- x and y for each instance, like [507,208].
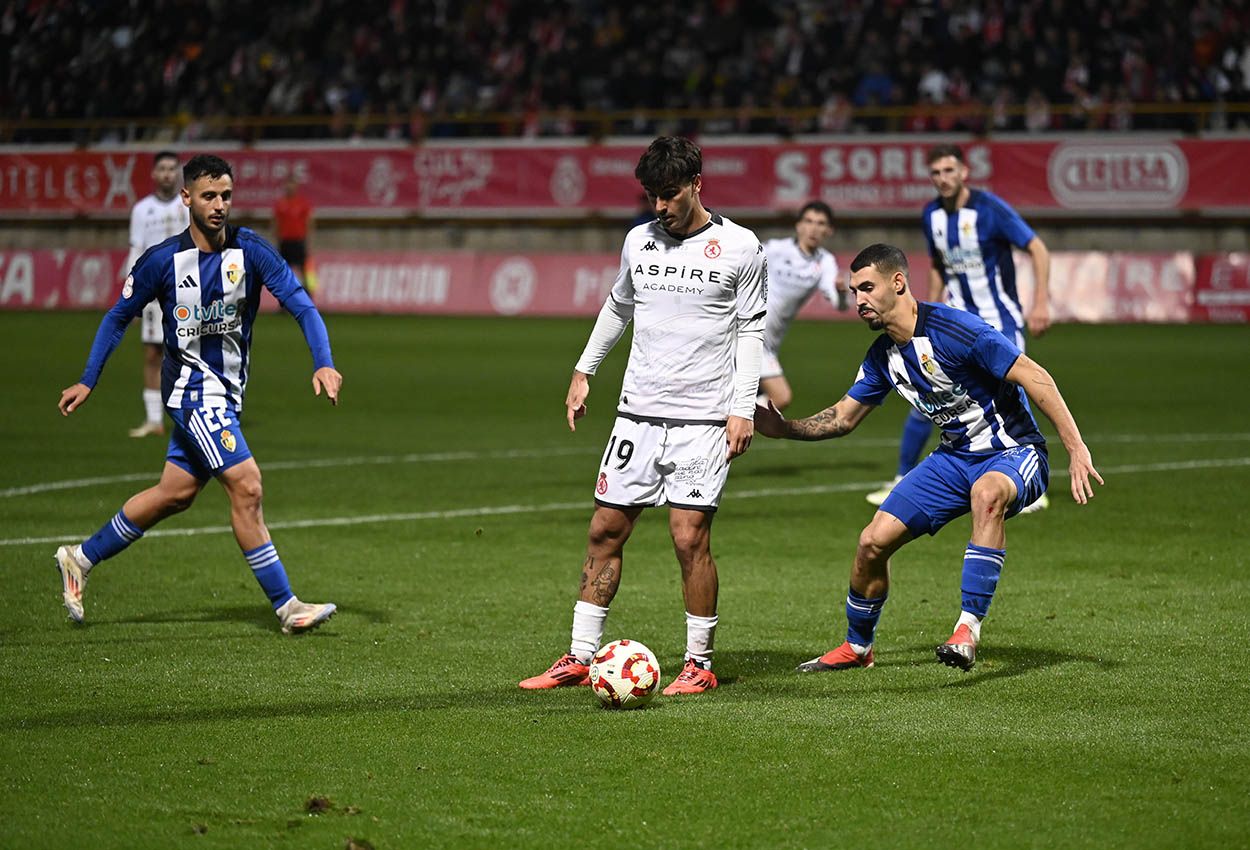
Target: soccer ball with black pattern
[624,674]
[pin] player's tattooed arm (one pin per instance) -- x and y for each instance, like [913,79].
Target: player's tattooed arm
[836,421]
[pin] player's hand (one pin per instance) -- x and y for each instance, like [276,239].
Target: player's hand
[327,378]
[72,397]
[1038,320]
[575,401]
[1080,470]
[769,421]
[738,431]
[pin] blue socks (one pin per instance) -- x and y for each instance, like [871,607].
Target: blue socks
[116,535]
[982,566]
[862,614]
[916,432]
[269,572]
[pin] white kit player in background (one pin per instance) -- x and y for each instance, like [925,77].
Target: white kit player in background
[154,219]
[798,267]
[695,286]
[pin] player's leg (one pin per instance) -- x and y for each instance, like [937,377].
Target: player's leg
[1006,483]
[153,351]
[628,481]
[916,432]
[174,493]
[242,483]
[610,528]
[866,597]
[691,530]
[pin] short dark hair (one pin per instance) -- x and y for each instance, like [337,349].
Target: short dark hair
[205,165]
[817,207]
[886,258]
[938,151]
[156,160]
[669,161]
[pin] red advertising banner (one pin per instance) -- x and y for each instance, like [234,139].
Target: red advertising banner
[1076,175]
[1222,293]
[1085,286]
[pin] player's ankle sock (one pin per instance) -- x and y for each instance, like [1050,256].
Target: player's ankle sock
[972,621]
[916,431]
[700,636]
[588,622]
[118,533]
[982,566]
[270,574]
[152,405]
[862,614]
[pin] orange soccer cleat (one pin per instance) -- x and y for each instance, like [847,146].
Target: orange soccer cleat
[566,672]
[842,658]
[961,650]
[692,679]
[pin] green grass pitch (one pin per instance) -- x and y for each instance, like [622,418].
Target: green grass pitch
[443,506]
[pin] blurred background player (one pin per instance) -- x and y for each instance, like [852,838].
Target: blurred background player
[154,219]
[694,284]
[798,266]
[207,281]
[292,221]
[992,460]
[970,234]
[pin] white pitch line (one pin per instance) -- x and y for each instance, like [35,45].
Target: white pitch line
[585,504]
[553,451]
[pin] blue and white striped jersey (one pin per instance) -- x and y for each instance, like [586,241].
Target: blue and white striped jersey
[953,370]
[971,249]
[208,304]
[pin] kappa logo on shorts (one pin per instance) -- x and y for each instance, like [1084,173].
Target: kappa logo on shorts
[227,441]
[694,494]
[602,486]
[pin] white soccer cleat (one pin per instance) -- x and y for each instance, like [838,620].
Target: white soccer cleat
[876,497]
[297,617]
[73,581]
[148,429]
[1041,504]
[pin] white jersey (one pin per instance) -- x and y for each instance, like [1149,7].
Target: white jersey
[793,277]
[152,221]
[690,298]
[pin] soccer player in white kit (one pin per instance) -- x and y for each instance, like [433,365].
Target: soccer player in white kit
[798,267]
[154,219]
[695,285]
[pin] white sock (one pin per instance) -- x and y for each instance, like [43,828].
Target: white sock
[700,635]
[973,622]
[588,622]
[859,648]
[152,405]
[81,557]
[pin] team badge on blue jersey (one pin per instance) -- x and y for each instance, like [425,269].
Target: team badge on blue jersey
[234,273]
[227,440]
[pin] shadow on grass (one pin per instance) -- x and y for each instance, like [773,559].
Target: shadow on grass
[1005,662]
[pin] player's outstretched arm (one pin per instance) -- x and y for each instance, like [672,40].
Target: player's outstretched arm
[72,398]
[327,378]
[1043,392]
[575,401]
[836,421]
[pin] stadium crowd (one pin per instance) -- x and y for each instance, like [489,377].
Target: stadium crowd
[521,67]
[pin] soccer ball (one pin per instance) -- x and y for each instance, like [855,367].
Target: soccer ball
[624,674]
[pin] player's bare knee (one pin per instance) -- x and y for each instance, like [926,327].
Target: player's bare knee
[991,495]
[690,544]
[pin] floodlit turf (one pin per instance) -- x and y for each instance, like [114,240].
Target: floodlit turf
[1108,708]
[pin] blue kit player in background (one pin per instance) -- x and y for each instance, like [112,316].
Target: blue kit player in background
[970,380]
[208,282]
[970,234]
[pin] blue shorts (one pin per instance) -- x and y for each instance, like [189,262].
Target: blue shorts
[940,488]
[206,441]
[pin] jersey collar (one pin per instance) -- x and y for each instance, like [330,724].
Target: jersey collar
[713,218]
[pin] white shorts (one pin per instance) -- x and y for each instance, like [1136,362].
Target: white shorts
[770,366]
[648,463]
[150,326]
